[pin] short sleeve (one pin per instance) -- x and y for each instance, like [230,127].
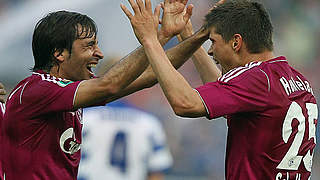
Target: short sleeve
[247,93]
[46,97]
[160,158]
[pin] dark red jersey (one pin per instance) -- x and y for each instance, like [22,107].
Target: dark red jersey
[42,132]
[272,115]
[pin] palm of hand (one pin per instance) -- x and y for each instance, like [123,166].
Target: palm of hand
[144,24]
[173,20]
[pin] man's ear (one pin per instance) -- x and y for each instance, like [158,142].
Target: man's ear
[237,42]
[60,55]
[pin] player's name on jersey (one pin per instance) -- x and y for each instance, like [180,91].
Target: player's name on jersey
[291,85]
[287,176]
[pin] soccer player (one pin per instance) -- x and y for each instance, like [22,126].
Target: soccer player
[43,120]
[270,107]
[121,142]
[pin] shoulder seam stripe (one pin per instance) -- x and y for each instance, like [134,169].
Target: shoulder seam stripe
[230,73]
[75,93]
[267,79]
[14,92]
[205,105]
[22,92]
[277,61]
[242,71]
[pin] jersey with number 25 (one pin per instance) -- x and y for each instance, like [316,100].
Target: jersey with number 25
[272,116]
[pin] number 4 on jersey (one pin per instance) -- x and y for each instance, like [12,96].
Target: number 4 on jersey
[118,155]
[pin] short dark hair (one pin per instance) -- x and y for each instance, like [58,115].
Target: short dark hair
[57,31]
[249,19]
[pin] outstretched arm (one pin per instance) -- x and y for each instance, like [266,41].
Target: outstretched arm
[111,85]
[177,55]
[182,98]
[173,21]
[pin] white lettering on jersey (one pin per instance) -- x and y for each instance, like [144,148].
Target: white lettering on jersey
[74,146]
[291,85]
[279,176]
[47,77]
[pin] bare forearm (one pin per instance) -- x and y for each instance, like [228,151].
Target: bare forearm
[184,50]
[127,69]
[208,70]
[179,93]
[131,66]
[177,55]
[112,82]
[206,67]
[144,81]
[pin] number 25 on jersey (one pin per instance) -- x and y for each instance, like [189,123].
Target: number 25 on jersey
[291,160]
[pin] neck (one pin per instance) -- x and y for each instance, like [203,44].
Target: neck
[54,71]
[264,56]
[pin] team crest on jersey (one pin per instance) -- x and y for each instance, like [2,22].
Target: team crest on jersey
[64,83]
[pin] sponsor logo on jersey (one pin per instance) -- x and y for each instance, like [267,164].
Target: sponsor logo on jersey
[68,142]
[64,83]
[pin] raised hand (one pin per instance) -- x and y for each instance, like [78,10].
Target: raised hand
[175,16]
[144,22]
[2,92]
[186,32]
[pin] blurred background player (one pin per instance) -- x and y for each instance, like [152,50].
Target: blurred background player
[121,142]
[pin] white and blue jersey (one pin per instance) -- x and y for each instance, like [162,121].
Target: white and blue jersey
[120,142]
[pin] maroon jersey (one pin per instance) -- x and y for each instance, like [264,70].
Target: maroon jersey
[2,108]
[42,134]
[272,116]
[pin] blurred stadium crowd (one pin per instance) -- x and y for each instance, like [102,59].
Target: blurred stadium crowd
[198,146]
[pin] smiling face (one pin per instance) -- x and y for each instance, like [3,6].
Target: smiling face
[224,53]
[77,65]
